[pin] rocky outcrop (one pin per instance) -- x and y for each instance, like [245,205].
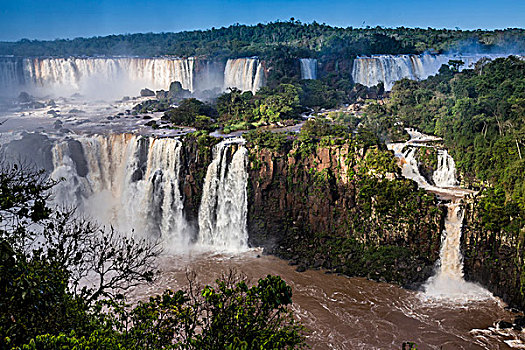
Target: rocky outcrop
[147,93]
[492,256]
[196,156]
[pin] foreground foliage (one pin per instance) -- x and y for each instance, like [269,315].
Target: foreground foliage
[62,281]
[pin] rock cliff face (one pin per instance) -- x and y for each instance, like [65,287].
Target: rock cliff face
[346,208]
[196,156]
[339,208]
[492,257]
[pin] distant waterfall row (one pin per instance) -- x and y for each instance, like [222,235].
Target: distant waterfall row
[369,71]
[127,75]
[99,77]
[85,73]
[133,183]
[246,74]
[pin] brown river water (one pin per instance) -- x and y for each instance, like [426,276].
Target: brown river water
[355,313]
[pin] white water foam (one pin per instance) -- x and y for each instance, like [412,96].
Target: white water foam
[224,204]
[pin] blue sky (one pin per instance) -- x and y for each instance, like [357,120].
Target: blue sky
[51,19]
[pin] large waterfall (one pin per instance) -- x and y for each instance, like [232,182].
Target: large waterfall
[131,182]
[91,75]
[224,203]
[369,71]
[134,183]
[448,280]
[246,74]
[308,68]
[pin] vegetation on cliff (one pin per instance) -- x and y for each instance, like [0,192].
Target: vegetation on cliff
[328,197]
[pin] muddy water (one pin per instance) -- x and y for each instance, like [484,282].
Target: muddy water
[354,313]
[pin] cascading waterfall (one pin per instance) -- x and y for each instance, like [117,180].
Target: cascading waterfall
[223,209]
[447,283]
[246,74]
[128,181]
[369,71]
[445,174]
[87,74]
[308,68]
[411,170]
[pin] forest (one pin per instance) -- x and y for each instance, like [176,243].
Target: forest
[277,39]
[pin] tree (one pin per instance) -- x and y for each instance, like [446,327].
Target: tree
[62,281]
[48,253]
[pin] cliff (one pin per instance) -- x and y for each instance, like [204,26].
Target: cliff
[492,248]
[345,208]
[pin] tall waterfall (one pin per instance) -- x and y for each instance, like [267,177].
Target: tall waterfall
[447,282]
[369,71]
[128,181]
[224,205]
[445,174]
[246,74]
[308,68]
[87,75]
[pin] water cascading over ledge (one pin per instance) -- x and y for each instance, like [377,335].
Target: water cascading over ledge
[85,75]
[447,283]
[308,68]
[245,74]
[134,183]
[224,203]
[129,181]
[369,71]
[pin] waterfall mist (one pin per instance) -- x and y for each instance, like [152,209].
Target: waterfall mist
[96,78]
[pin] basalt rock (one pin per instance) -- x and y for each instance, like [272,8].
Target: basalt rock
[315,210]
[146,93]
[492,257]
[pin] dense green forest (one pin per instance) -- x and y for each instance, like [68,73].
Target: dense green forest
[479,113]
[277,38]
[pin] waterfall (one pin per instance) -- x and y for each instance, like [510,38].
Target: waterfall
[308,68]
[131,182]
[448,282]
[90,75]
[445,174]
[369,71]
[223,209]
[246,74]
[410,168]
[11,73]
